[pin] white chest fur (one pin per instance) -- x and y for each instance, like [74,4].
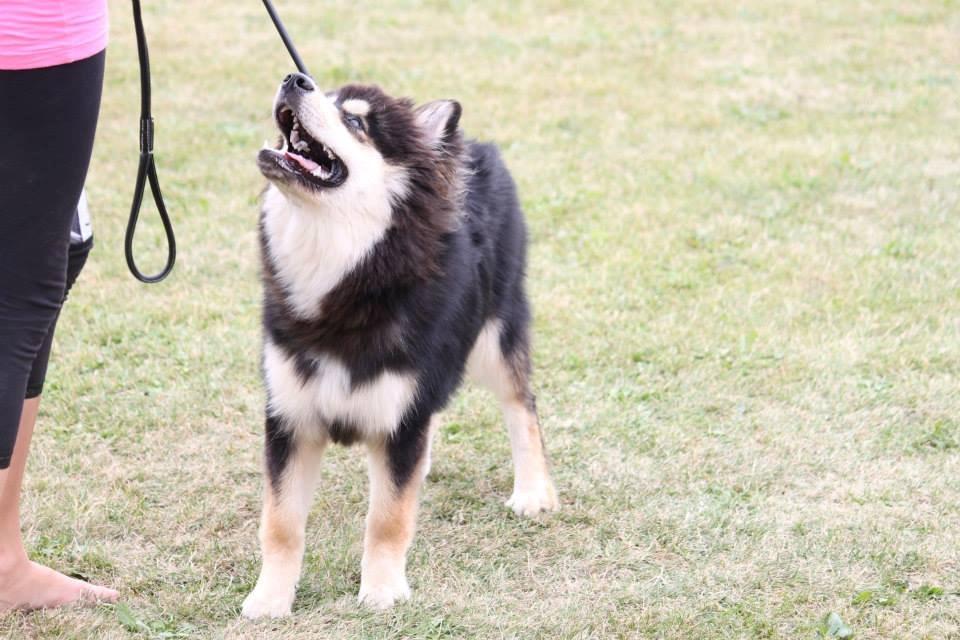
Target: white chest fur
[374,407]
[313,248]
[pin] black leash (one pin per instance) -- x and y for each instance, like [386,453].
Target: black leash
[286,38]
[148,168]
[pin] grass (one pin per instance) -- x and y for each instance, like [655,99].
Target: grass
[745,259]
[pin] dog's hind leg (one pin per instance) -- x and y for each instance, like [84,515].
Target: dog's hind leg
[291,471]
[397,468]
[500,361]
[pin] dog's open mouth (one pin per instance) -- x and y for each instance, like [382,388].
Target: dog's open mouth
[298,153]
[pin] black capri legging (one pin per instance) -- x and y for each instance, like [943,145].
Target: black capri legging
[47,122]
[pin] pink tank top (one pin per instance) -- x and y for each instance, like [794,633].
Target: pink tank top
[45,33]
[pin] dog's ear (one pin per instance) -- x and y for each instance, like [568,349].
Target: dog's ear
[439,120]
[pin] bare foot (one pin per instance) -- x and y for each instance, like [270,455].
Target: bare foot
[29,585]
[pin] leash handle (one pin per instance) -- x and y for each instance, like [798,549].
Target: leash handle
[297,60]
[147,169]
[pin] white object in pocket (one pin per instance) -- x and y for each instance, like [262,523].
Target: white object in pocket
[83,218]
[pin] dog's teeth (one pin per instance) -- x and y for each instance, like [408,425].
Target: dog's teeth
[294,136]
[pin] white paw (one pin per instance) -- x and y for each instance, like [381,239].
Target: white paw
[533,501]
[383,595]
[263,604]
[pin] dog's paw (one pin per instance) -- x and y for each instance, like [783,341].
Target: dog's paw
[383,595]
[260,604]
[531,502]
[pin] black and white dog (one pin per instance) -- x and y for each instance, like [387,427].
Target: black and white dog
[393,261]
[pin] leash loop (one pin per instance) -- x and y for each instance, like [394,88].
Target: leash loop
[147,169]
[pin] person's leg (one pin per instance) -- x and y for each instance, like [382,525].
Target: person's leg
[25,584]
[47,122]
[80,247]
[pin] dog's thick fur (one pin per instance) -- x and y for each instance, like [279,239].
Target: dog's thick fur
[393,261]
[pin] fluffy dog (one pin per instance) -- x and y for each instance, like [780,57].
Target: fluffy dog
[393,262]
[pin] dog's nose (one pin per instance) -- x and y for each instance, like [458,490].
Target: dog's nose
[298,82]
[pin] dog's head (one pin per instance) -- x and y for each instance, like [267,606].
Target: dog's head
[355,147]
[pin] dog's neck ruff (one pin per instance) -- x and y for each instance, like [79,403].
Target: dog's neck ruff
[313,248]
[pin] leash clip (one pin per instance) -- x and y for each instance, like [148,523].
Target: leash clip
[146,134]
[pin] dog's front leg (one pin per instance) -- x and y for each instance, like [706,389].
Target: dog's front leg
[396,468]
[291,470]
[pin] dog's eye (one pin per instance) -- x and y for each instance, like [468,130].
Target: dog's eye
[354,121]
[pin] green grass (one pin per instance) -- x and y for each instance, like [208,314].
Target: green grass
[746,273]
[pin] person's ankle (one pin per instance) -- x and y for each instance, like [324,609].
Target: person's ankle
[12,562]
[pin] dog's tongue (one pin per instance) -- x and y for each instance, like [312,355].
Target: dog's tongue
[306,163]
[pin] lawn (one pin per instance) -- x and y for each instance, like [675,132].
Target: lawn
[745,267]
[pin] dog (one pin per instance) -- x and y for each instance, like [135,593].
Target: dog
[393,257]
